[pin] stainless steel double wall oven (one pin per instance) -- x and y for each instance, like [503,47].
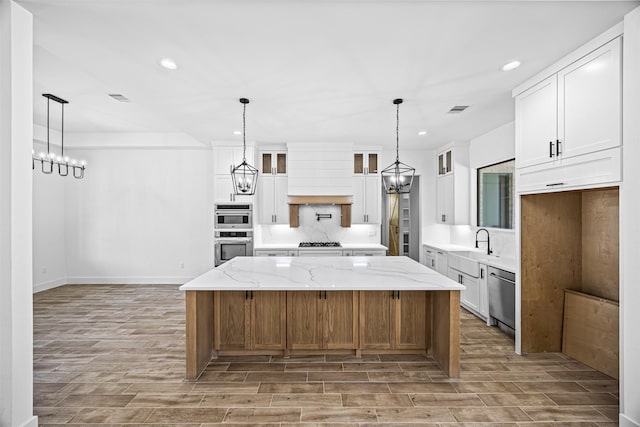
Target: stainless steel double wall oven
[233,231]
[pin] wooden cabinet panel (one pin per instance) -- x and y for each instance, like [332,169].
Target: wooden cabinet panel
[322,320]
[268,320]
[375,320]
[246,320]
[304,320]
[412,316]
[232,315]
[340,320]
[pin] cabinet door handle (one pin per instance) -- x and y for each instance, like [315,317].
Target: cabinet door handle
[398,294]
[251,294]
[325,295]
[393,294]
[482,273]
[558,152]
[550,148]
[433,263]
[246,294]
[319,294]
[555,184]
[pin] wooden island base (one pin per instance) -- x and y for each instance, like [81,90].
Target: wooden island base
[322,322]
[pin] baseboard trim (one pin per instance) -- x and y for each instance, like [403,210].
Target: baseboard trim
[39,287]
[31,422]
[627,422]
[128,280]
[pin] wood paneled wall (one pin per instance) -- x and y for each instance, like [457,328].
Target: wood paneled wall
[569,240]
[600,243]
[551,245]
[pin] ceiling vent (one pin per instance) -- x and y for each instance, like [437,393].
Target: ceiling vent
[119,97]
[458,109]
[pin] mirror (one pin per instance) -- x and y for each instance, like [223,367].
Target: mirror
[496,195]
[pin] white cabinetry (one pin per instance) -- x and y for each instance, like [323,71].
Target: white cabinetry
[429,258]
[224,159]
[364,252]
[272,193]
[483,297]
[272,252]
[452,187]
[568,126]
[272,187]
[436,259]
[365,162]
[366,206]
[470,297]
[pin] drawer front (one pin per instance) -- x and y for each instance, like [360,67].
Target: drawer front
[602,167]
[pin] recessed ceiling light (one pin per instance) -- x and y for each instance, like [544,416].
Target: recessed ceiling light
[511,66]
[237,132]
[169,64]
[422,132]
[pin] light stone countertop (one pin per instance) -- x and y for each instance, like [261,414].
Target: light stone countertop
[322,273]
[294,246]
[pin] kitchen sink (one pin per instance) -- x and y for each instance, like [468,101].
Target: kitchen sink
[467,261]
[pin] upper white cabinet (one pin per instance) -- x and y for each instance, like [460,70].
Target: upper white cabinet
[452,187]
[366,208]
[445,162]
[273,163]
[272,195]
[272,187]
[365,163]
[225,158]
[573,113]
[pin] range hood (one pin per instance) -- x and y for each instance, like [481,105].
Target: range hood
[344,202]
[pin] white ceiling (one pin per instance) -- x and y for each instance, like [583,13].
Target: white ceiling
[323,71]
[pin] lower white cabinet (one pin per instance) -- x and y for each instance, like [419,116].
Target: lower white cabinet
[442,262]
[483,300]
[360,252]
[430,257]
[470,297]
[271,252]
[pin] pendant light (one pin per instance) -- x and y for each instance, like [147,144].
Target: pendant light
[244,176]
[397,177]
[48,159]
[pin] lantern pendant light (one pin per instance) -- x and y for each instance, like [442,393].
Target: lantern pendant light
[244,176]
[397,177]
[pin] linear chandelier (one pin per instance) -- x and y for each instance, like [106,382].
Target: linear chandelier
[48,159]
[397,177]
[244,176]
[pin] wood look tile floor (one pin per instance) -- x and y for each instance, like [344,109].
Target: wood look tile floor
[114,356]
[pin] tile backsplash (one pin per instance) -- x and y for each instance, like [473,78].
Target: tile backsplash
[311,229]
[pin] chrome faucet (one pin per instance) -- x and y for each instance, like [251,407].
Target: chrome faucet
[489,251]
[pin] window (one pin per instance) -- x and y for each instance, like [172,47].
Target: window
[496,195]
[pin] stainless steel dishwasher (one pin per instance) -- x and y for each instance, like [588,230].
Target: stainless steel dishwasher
[502,296]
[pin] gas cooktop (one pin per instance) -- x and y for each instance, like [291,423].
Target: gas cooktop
[319,245]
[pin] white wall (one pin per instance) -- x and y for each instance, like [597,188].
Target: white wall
[630,226]
[493,147]
[49,240]
[139,215]
[16,313]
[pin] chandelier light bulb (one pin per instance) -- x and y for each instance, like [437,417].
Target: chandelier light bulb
[42,155]
[73,161]
[83,163]
[66,159]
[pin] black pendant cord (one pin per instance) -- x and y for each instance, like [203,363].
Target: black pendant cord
[397,133]
[244,128]
[62,135]
[48,100]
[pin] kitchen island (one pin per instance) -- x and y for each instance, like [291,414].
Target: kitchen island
[311,305]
